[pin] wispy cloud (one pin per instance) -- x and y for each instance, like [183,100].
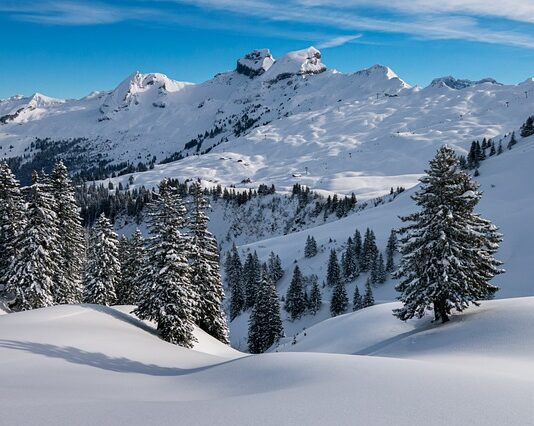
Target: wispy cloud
[333,21]
[338,41]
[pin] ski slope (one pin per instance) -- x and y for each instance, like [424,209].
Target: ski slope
[87,364]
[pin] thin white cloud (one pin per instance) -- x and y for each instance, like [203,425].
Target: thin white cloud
[338,41]
[447,19]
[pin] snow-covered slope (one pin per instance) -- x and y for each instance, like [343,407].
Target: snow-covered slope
[274,121]
[86,365]
[507,200]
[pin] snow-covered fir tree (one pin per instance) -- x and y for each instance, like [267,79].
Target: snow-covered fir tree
[124,257]
[12,219]
[265,325]
[234,280]
[168,297]
[512,141]
[391,249]
[68,285]
[34,265]
[527,129]
[378,270]
[368,297]
[315,300]
[349,262]
[340,301]
[310,249]
[205,275]
[275,269]
[295,303]
[103,274]
[369,251]
[252,278]
[333,272]
[132,262]
[447,249]
[357,300]
[357,246]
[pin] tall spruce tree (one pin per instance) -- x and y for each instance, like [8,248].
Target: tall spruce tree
[368,297]
[310,249]
[205,275]
[369,251]
[295,303]
[12,219]
[349,262]
[131,268]
[391,249]
[265,325]
[340,301]
[34,265]
[103,274]
[68,286]
[378,270]
[234,280]
[357,245]
[122,288]
[276,271]
[316,300]
[168,298]
[333,272]
[357,300]
[447,249]
[527,129]
[252,278]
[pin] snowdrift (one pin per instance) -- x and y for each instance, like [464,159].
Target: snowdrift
[86,365]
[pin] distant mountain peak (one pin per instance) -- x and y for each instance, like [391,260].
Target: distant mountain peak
[255,62]
[299,62]
[459,84]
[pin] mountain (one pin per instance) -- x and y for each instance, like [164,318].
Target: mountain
[267,121]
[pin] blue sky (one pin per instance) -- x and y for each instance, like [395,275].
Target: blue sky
[67,48]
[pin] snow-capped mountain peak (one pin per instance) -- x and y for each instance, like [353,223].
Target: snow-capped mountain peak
[459,84]
[255,63]
[300,62]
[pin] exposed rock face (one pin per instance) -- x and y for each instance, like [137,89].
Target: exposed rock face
[300,62]
[255,63]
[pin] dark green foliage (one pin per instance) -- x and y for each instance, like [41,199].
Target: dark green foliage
[333,274]
[295,304]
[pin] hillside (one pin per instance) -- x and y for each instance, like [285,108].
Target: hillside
[87,364]
[274,121]
[507,201]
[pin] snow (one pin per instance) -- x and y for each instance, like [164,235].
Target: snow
[300,62]
[88,365]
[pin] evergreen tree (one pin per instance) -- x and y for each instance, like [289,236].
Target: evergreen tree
[315,298]
[340,301]
[527,129]
[499,150]
[33,267]
[295,304]
[205,276]
[122,289]
[368,297]
[391,249]
[310,249]
[333,273]
[103,273]
[378,271]
[447,249]
[357,300]
[369,251]
[512,141]
[275,267]
[357,245]
[349,261]
[132,263]
[12,219]
[493,151]
[265,325]
[234,280]
[68,286]
[168,298]
[252,278]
